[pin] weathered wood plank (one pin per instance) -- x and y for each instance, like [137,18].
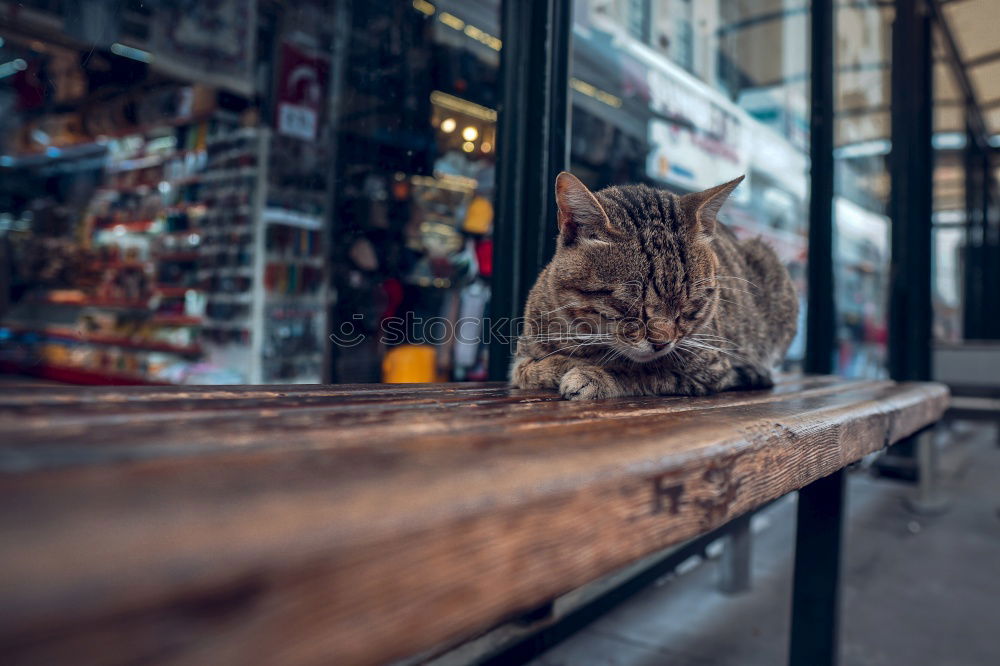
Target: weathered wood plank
[344,540]
[57,437]
[15,404]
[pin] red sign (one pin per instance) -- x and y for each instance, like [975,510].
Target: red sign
[301,93]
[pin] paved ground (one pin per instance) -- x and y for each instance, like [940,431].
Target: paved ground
[918,591]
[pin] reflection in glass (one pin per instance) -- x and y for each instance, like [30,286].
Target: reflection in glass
[861,225]
[212,192]
[711,90]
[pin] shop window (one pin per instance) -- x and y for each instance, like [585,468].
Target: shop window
[214,192]
[664,112]
[861,180]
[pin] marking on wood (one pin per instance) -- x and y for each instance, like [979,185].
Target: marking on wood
[662,491]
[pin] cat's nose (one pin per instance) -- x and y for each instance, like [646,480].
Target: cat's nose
[660,346]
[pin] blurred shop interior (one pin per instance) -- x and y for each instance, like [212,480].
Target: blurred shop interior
[247,191]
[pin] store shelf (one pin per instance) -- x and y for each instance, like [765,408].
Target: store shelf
[176,320]
[179,256]
[301,261]
[108,304]
[105,340]
[230,298]
[274,298]
[75,375]
[134,226]
[119,265]
[169,291]
[292,218]
[240,324]
[226,271]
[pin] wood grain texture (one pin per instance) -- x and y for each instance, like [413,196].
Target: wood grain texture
[353,525]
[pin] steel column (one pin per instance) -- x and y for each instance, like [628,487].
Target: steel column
[821,318]
[911,165]
[532,149]
[975,241]
[737,557]
[816,591]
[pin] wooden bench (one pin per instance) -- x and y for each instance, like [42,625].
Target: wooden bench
[360,524]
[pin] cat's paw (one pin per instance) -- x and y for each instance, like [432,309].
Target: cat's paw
[586,384]
[531,374]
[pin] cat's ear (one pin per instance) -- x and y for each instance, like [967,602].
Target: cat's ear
[580,214]
[702,207]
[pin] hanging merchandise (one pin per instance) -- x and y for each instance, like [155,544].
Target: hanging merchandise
[484,256]
[479,217]
[469,327]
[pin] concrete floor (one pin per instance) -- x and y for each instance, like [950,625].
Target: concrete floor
[917,590]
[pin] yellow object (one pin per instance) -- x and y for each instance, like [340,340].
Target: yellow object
[410,364]
[479,217]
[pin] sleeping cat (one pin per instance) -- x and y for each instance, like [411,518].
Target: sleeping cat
[648,294]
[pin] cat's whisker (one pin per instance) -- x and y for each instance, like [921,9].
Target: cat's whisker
[687,352]
[562,349]
[728,288]
[712,338]
[567,338]
[702,292]
[705,347]
[735,277]
[565,333]
[608,356]
[562,307]
[702,343]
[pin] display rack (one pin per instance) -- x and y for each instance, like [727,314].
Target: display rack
[194,278]
[274,329]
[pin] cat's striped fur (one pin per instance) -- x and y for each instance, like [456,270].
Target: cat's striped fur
[648,294]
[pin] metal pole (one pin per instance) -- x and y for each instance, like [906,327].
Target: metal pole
[532,149]
[735,567]
[911,169]
[821,318]
[816,591]
[816,587]
[974,242]
[929,499]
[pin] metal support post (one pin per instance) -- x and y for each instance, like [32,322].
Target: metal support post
[816,590]
[734,568]
[532,149]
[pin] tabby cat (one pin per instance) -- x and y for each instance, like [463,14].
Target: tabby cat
[648,294]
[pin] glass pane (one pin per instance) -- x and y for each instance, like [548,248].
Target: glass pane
[414,196]
[201,192]
[861,226]
[710,91]
[949,200]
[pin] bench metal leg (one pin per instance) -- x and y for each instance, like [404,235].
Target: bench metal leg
[816,591]
[735,565]
[930,499]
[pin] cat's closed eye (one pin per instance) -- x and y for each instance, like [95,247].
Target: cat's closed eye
[610,316]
